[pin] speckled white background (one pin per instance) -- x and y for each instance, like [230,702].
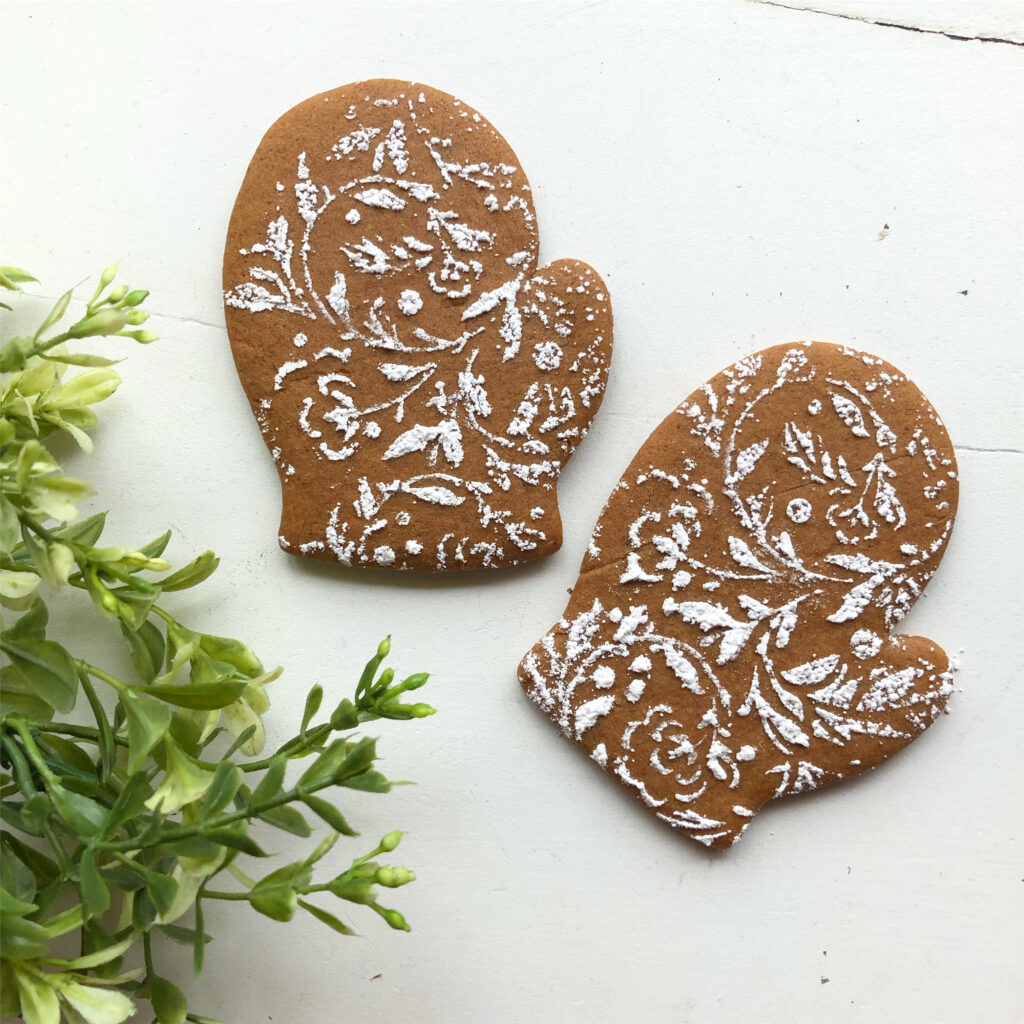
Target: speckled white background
[728,167]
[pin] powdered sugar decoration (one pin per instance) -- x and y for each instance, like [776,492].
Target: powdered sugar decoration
[734,612]
[441,369]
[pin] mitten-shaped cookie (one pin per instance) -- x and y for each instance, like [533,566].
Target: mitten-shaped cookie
[730,637]
[419,381]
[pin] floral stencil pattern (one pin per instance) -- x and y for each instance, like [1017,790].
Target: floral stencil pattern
[419,381]
[729,639]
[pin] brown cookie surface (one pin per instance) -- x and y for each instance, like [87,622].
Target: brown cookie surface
[419,381]
[729,639]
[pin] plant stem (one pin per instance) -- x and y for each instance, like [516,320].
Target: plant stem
[58,339]
[85,732]
[34,754]
[179,833]
[293,747]
[19,766]
[102,675]
[41,531]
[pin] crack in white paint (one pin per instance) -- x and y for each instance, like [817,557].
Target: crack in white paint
[988,451]
[863,19]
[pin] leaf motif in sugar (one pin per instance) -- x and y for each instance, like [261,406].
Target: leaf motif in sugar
[435,495]
[850,415]
[396,371]
[746,460]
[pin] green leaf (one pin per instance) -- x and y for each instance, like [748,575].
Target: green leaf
[235,841]
[16,586]
[195,848]
[35,550]
[98,957]
[80,359]
[239,741]
[32,622]
[33,456]
[129,802]
[123,879]
[192,574]
[55,314]
[94,892]
[330,814]
[107,745]
[198,696]
[143,910]
[162,888]
[64,922]
[36,811]
[187,727]
[232,652]
[10,526]
[148,721]
[181,647]
[155,548]
[47,667]
[184,936]
[287,819]
[297,874]
[87,388]
[326,764]
[10,904]
[275,896]
[270,785]
[81,420]
[10,1001]
[15,817]
[367,782]
[82,439]
[24,869]
[86,531]
[327,918]
[24,704]
[15,275]
[355,889]
[199,945]
[169,1003]
[146,645]
[185,781]
[314,699]
[97,1005]
[226,779]
[340,761]
[135,602]
[39,1004]
[85,816]
[69,759]
[23,939]
[345,716]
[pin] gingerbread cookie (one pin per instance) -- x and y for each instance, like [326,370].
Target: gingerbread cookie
[419,381]
[730,637]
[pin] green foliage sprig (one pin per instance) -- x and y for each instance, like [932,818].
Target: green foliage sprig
[118,828]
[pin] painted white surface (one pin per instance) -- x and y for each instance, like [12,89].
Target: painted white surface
[728,168]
